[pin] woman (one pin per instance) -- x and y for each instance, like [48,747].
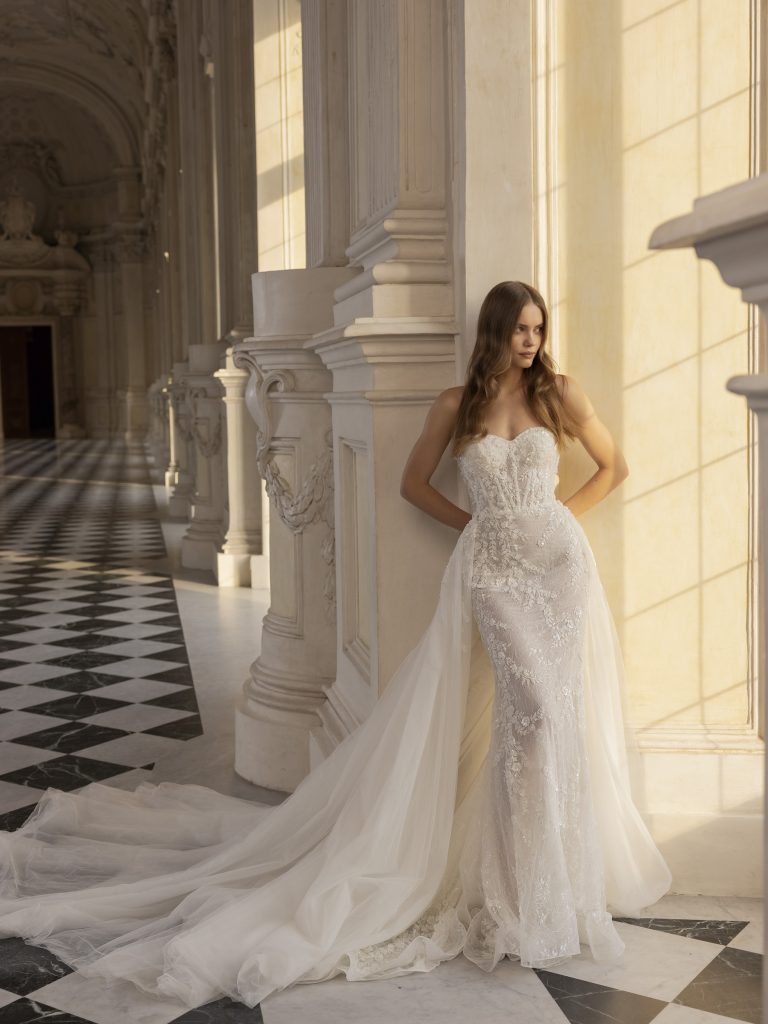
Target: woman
[482,807]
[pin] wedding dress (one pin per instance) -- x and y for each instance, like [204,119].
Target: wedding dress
[484,807]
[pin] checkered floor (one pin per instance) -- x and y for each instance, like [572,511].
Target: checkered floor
[95,684]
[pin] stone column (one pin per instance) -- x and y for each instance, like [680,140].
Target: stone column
[206,529]
[172,469]
[286,397]
[129,252]
[244,539]
[99,383]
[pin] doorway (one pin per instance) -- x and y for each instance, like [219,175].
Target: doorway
[26,381]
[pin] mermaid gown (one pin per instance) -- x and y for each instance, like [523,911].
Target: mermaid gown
[484,807]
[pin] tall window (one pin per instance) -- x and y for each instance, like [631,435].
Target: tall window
[279,134]
[643,105]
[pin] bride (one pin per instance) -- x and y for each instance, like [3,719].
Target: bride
[484,807]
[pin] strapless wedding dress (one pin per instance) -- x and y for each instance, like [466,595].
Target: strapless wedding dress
[484,807]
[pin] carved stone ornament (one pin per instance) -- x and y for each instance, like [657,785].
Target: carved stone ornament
[208,444]
[181,412]
[313,500]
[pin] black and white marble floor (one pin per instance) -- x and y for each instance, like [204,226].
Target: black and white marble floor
[116,666]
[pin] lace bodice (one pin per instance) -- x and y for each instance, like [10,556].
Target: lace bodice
[504,475]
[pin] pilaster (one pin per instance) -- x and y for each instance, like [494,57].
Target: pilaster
[286,397]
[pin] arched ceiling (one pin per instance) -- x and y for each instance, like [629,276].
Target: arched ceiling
[71,76]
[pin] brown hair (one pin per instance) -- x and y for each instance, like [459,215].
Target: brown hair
[499,315]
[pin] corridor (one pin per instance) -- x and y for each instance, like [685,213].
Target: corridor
[117,666]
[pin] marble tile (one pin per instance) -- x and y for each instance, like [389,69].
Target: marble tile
[730,985]
[129,588]
[675,1014]
[19,697]
[25,968]
[34,673]
[75,706]
[139,603]
[68,772]
[7,997]
[136,690]
[137,717]
[222,1011]
[137,667]
[77,682]
[20,723]
[28,1010]
[71,737]
[454,991]
[138,615]
[108,1002]
[129,780]
[749,938]
[135,749]
[654,964]
[721,932]
[83,659]
[584,1002]
[50,619]
[18,755]
[39,652]
[11,820]
[138,630]
[13,795]
[140,648]
[46,635]
[180,729]
[48,607]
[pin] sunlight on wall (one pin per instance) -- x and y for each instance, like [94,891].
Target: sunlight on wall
[653,109]
[279,134]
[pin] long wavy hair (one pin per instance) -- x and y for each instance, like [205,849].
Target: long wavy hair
[492,357]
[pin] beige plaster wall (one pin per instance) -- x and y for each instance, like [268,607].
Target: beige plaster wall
[652,110]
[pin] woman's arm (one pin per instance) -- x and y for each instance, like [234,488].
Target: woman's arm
[424,458]
[598,441]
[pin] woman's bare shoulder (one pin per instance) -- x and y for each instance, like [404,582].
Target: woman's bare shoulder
[450,399]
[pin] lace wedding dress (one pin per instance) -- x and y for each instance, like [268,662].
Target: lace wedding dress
[484,807]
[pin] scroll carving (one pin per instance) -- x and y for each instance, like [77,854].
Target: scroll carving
[313,500]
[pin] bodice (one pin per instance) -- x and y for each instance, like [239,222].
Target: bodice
[505,475]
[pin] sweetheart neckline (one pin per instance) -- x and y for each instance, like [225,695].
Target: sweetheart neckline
[509,440]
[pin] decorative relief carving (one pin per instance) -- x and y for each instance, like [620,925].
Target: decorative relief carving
[206,429]
[181,412]
[313,500]
[130,248]
[55,273]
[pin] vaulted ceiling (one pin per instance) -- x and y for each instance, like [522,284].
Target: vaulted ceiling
[85,55]
[73,88]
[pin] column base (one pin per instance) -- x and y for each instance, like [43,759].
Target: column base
[272,746]
[171,478]
[179,504]
[199,553]
[233,570]
[260,572]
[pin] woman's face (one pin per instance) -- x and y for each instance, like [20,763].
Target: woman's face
[527,336]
